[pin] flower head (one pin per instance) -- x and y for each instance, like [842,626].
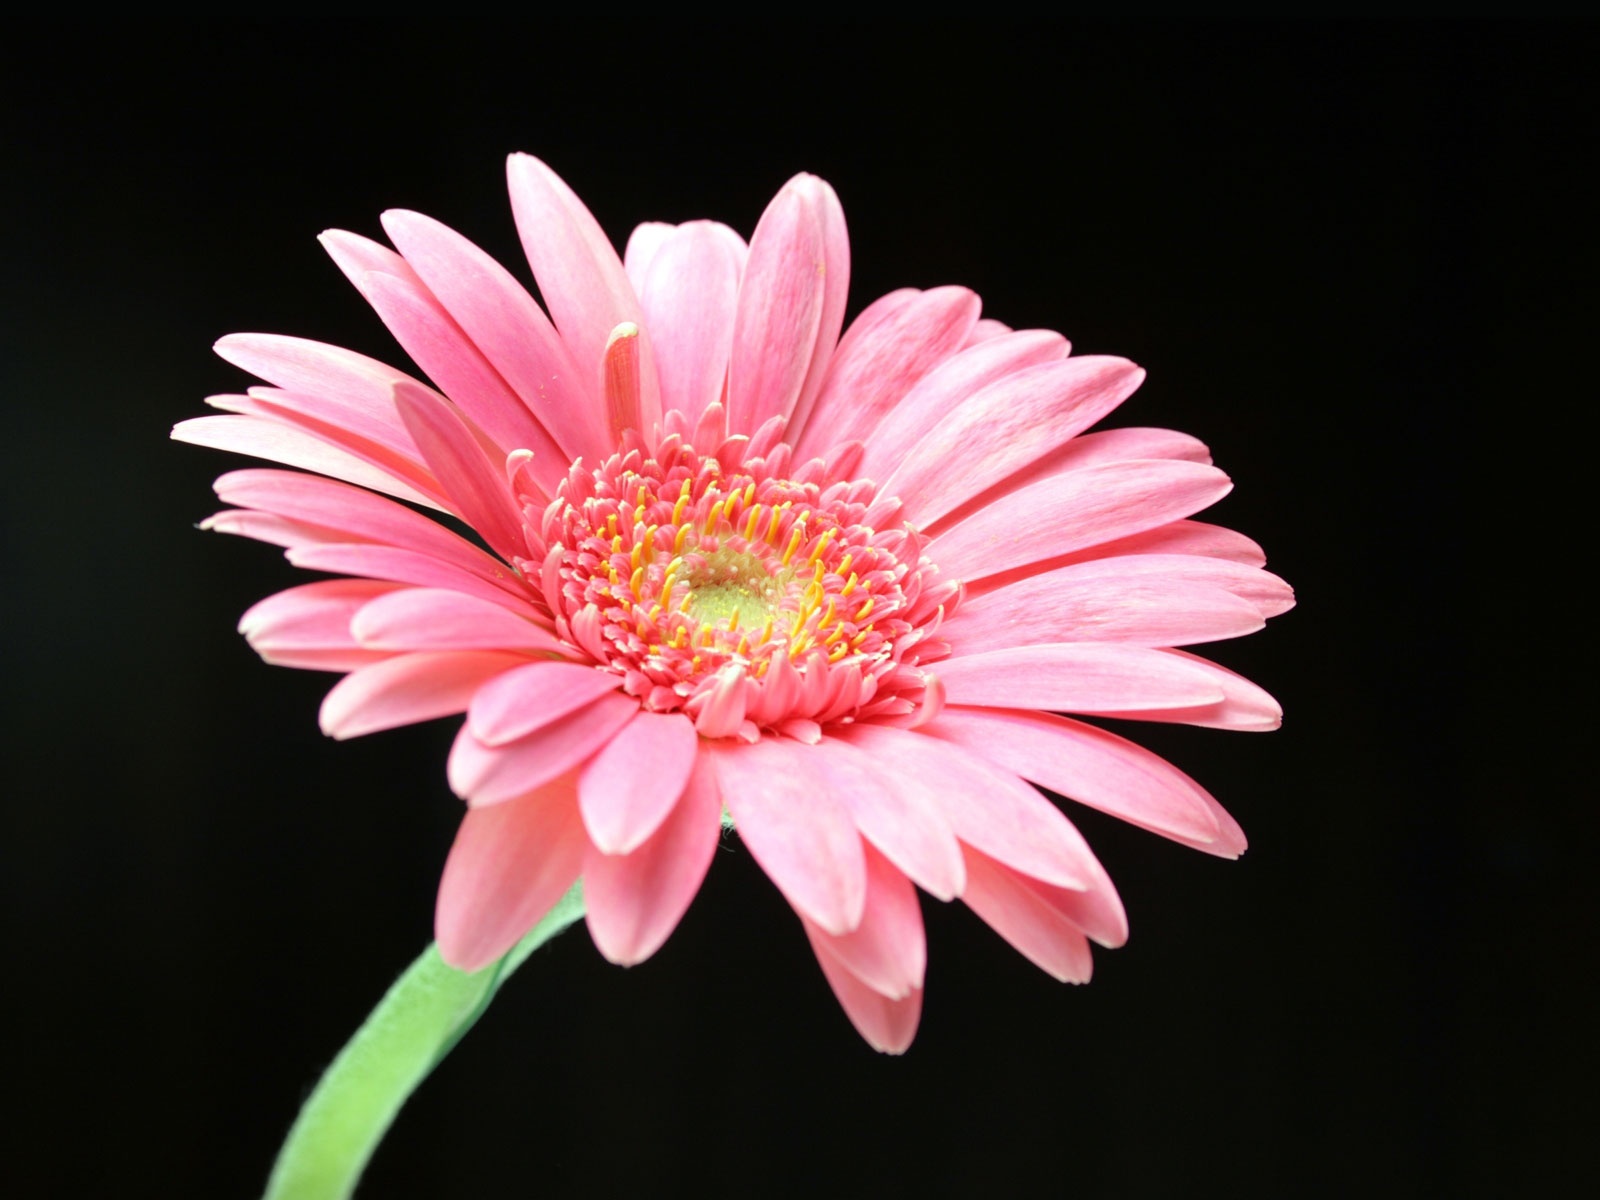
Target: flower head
[834,587]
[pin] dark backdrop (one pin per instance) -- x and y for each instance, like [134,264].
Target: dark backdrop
[1343,252]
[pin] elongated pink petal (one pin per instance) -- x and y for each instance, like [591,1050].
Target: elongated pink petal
[885,352]
[887,1025]
[1062,513]
[263,437]
[1140,610]
[548,389]
[803,838]
[482,774]
[531,697]
[1005,427]
[1044,936]
[1086,677]
[636,900]
[407,689]
[406,566]
[442,619]
[643,243]
[628,788]
[949,385]
[989,809]
[689,297]
[579,274]
[508,867]
[1175,537]
[1244,706]
[892,811]
[476,486]
[887,951]
[357,513]
[1098,769]
[309,626]
[780,306]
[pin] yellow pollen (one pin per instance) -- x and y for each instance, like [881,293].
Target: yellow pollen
[766,632]
[611,525]
[637,581]
[844,563]
[750,493]
[861,613]
[680,635]
[772,526]
[744,647]
[683,537]
[683,503]
[750,524]
[616,544]
[838,652]
[821,547]
[644,494]
[707,637]
[714,516]
[614,576]
[733,621]
[838,632]
[827,617]
[794,542]
[637,555]
[849,584]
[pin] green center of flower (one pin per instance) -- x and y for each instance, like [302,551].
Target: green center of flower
[731,589]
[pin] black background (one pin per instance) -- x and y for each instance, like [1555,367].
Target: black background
[1349,256]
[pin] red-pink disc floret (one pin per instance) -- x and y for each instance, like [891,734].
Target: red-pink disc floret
[748,594]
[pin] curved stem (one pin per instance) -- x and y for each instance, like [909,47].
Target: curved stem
[418,1021]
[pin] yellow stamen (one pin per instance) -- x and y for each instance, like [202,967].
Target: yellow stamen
[772,525]
[733,621]
[794,542]
[637,581]
[766,632]
[849,584]
[714,516]
[678,542]
[863,611]
[683,503]
[750,524]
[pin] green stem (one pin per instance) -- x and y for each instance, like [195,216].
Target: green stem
[418,1021]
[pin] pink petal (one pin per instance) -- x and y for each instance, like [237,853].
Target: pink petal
[835,271]
[1084,677]
[628,788]
[309,626]
[779,314]
[400,565]
[1098,769]
[986,330]
[987,808]
[358,514]
[1062,513]
[1004,427]
[893,343]
[636,900]
[1244,706]
[477,487]
[689,296]
[1139,608]
[547,389]
[887,1025]
[892,811]
[1175,537]
[407,689]
[262,437]
[579,274]
[438,619]
[803,837]
[887,951]
[484,775]
[1017,913]
[646,239]
[949,385]
[508,867]
[534,695]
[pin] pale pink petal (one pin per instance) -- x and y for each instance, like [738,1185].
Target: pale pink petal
[508,867]
[887,951]
[439,619]
[1072,510]
[636,900]
[835,271]
[643,242]
[1085,677]
[1020,915]
[407,689]
[1175,537]
[943,389]
[803,837]
[547,388]
[1098,769]
[533,696]
[358,514]
[689,296]
[987,329]
[780,305]
[887,1025]
[987,808]
[890,808]
[1244,706]
[887,349]
[482,774]
[406,566]
[309,626]
[579,275]
[1004,427]
[476,486]
[1149,611]
[628,788]
[268,438]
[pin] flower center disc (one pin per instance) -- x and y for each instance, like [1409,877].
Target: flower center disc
[747,599]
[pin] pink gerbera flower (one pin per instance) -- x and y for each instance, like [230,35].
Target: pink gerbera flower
[832,587]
